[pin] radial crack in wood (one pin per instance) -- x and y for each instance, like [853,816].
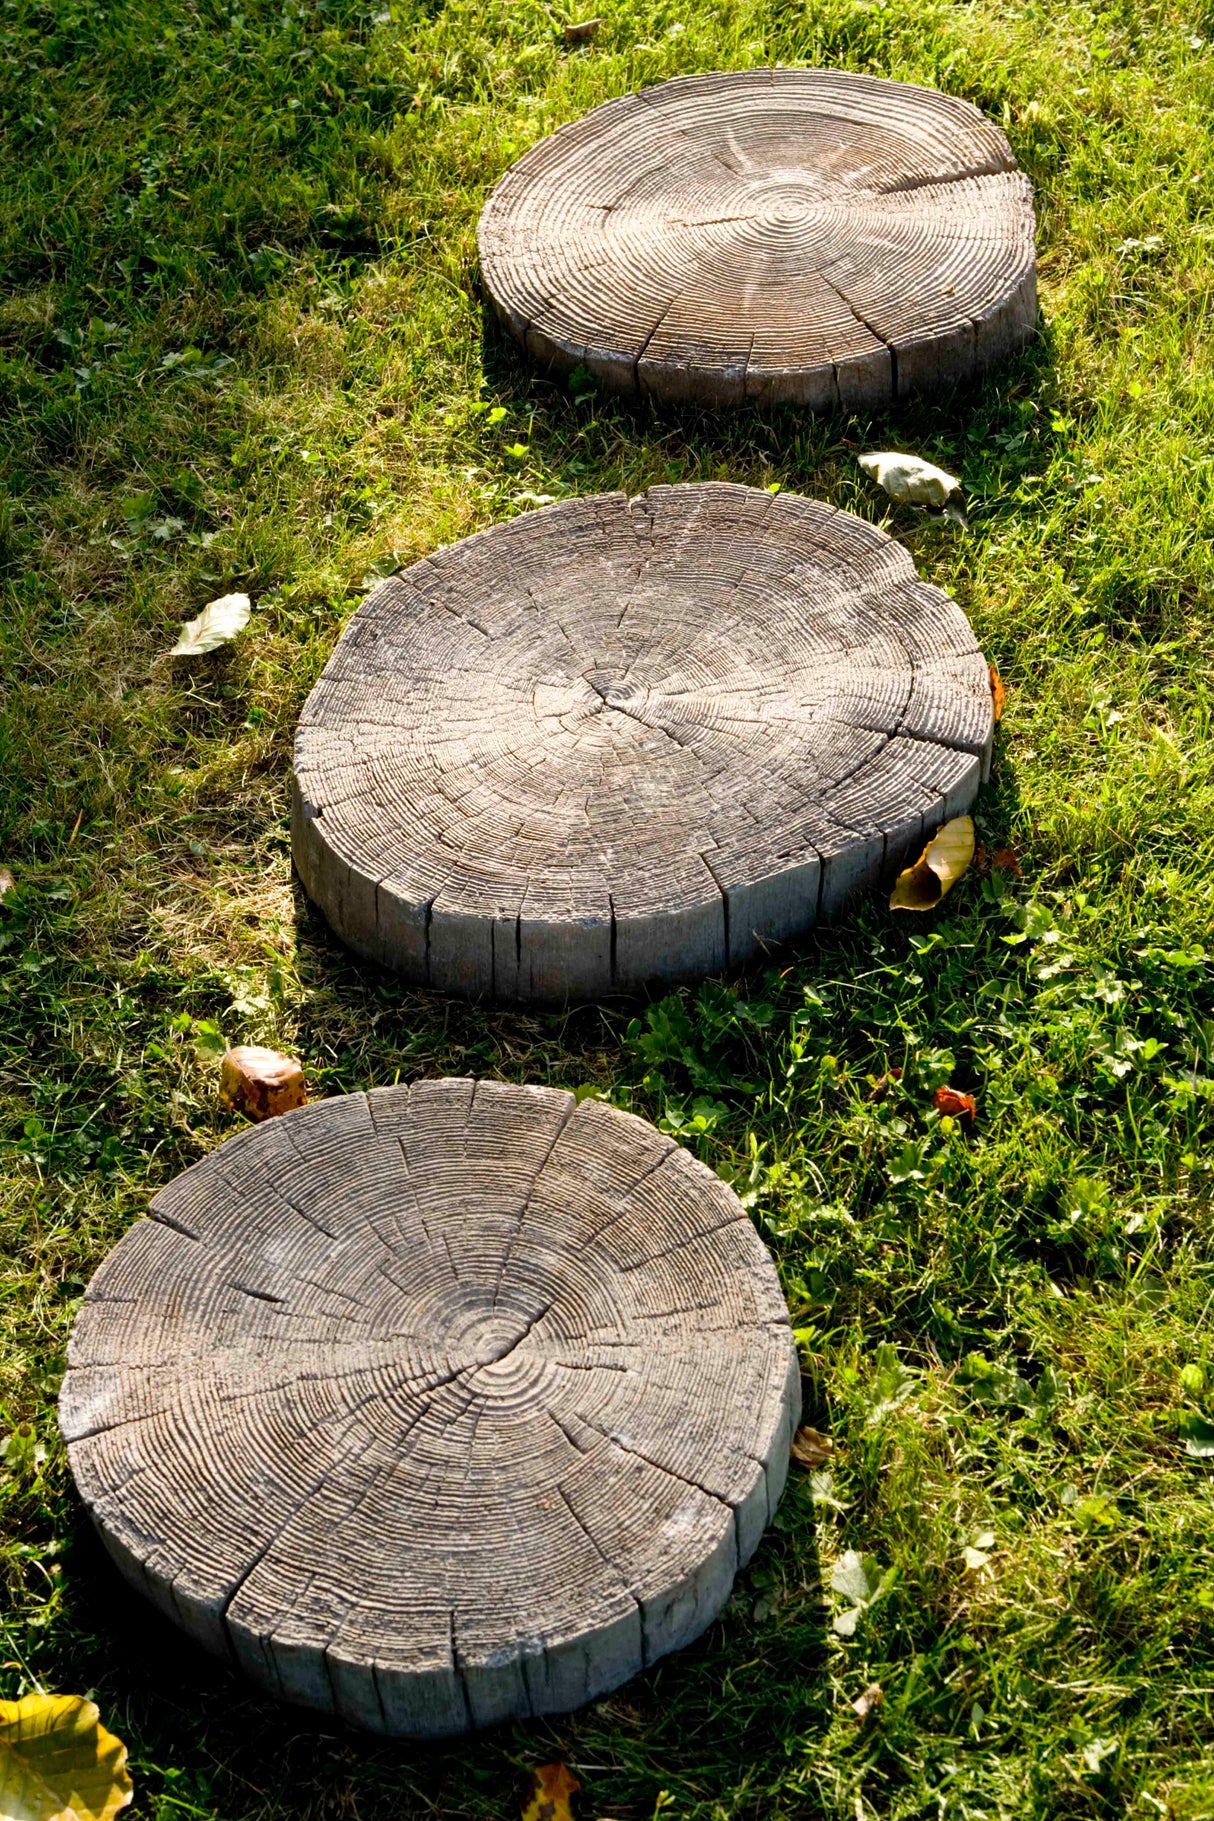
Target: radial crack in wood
[611,742]
[436,1406]
[815,236]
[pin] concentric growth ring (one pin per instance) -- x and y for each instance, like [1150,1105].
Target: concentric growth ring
[807,235]
[614,741]
[436,1406]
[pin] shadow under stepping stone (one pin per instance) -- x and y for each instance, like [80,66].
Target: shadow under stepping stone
[439,1405]
[805,235]
[613,741]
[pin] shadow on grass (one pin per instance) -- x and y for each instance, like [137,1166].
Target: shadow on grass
[986,418]
[731,1705]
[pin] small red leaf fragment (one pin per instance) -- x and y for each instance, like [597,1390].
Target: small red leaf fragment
[1003,860]
[955,1105]
[879,1085]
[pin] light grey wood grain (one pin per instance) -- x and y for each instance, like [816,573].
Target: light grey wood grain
[436,1406]
[810,236]
[617,741]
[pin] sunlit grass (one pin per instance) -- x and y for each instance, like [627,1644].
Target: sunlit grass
[243,346]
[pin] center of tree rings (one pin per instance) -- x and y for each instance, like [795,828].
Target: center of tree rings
[616,741]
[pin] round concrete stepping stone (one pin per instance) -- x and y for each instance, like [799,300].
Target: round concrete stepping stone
[806,235]
[615,741]
[438,1405]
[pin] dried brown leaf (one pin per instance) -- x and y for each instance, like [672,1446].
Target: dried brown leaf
[260,1083]
[811,1448]
[943,861]
[581,32]
[1003,860]
[7,883]
[869,1701]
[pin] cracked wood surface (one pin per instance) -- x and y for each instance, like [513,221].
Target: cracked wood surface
[611,742]
[438,1405]
[830,239]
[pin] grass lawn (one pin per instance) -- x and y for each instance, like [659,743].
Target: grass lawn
[243,346]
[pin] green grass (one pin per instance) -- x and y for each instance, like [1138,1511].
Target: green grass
[242,345]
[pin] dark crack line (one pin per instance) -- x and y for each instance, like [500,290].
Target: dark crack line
[526,1203]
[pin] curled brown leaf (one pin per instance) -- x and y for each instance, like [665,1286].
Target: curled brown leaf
[810,1448]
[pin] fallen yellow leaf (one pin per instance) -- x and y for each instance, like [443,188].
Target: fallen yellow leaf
[938,868]
[552,1785]
[58,1763]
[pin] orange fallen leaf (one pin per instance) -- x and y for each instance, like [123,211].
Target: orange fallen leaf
[943,861]
[1003,860]
[955,1105]
[810,1447]
[552,1787]
[869,1701]
[260,1083]
[998,693]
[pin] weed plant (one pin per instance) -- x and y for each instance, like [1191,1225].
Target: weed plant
[243,346]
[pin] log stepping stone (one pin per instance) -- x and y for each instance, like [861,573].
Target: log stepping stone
[775,234]
[439,1405]
[615,741]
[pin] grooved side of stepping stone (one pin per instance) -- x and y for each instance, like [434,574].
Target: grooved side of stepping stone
[833,240]
[436,1406]
[613,741]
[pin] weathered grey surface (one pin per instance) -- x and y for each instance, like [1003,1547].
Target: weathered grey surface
[439,1405]
[808,235]
[615,741]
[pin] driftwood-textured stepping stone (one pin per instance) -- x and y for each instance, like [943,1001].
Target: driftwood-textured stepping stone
[436,1406]
[808,235]
[615,741]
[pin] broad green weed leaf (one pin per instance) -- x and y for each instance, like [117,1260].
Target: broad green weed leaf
[856,1577]
[891,1383]
[1198,1432]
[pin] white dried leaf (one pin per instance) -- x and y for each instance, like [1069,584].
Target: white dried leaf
[909,481]
[218,622]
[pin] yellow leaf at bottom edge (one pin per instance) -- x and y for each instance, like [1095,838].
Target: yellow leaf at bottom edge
[58,1762]
[552,1785]
[943,861]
